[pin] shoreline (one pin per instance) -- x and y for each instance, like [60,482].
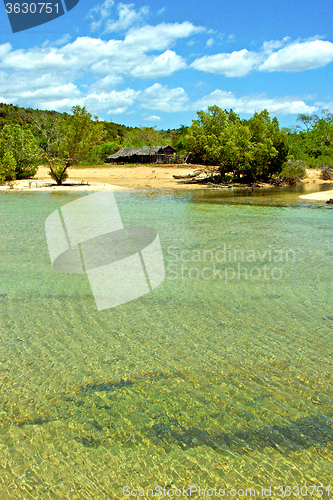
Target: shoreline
[121,177]
[318,196]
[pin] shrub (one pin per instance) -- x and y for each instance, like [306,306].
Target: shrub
[292,172]
[19,145]
[327,173]
[58,174]
[7,167]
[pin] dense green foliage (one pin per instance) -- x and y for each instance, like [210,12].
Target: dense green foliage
[312,141]
[242,150]
[19,153]
[291,173]
[66,140]
[110,137]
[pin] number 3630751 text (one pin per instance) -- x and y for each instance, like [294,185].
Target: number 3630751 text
[32,8]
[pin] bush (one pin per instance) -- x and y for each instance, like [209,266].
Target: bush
[251,150]
[19,145]
[7,167]
[291,173]
[327,173]
[58,174]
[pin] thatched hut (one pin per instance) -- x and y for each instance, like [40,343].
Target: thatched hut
[146,154]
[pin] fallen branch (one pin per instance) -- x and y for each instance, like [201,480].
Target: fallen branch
[189,176]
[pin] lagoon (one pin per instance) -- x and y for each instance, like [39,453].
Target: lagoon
[203,382]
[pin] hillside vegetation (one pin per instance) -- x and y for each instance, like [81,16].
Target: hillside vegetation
[241,150]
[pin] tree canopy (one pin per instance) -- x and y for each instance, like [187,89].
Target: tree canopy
[312,140]
[245,149]
[19,153]
[66,140]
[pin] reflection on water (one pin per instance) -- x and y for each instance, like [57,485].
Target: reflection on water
[212,379]
[266,196]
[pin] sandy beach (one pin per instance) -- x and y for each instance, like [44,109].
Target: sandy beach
[108,177]
[117,177]
[320,196]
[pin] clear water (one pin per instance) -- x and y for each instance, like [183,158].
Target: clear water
[210,380]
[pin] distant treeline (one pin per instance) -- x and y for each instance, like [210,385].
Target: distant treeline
[243,150]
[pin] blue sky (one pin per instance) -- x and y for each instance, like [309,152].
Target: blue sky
[157,63]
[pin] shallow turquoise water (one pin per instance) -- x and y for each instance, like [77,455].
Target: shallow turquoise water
[222,376]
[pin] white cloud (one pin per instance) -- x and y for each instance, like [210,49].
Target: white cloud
[87,70]
[268,47]
[153,118]
[159,37]
[254,102]
[162,98]
[127,16]
[210,42]
[4,49]
[238,63]
[157,66]
[299,56]
[48,71]
[291,56]
[87,54]
[325,105]
[64,39]
[103,11]
[27,82]
[61,105]
[99,103]
[115,102]
[45,95]
[106,84]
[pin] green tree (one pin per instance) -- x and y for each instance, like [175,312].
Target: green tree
[178,139]
[144,136]
[271,149]
[18,144]
[248,150]
[7,167]
[67,140]
[204,133]
[236,151]
[314,142]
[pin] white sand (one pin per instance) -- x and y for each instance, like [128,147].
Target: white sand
[320,196]
[115,177]
[32,185]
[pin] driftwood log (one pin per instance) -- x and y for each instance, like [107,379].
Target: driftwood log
[198,176]
[189,176]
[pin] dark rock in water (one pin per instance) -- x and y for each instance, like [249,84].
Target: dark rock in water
[36,421]
[300,434]
[97,426]
[108,386]
[329,202]
[161,430]
[89,442]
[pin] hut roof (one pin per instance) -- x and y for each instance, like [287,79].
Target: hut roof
[145,150]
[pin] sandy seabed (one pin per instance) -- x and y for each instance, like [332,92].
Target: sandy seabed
[119,177]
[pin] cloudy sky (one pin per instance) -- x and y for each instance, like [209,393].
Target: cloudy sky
[155,63]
